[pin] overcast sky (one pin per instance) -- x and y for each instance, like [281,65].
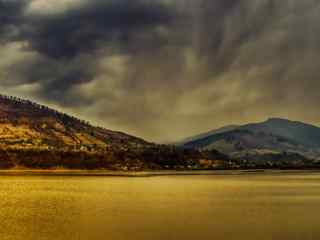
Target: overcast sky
[164,69]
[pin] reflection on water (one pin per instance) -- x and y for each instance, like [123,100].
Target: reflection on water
[246,207]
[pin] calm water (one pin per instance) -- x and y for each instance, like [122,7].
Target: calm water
[246,207]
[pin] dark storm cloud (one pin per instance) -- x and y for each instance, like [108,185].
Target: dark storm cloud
[68,42]
[95,25]
[56,78]
[168,68]
[11,12]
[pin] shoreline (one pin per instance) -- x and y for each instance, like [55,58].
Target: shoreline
[109,173]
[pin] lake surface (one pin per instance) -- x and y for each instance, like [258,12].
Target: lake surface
[250,206]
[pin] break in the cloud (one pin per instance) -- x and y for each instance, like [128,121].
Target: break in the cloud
[164,69]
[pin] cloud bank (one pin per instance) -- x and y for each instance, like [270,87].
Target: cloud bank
[164,69]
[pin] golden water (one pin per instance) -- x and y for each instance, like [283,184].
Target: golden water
[257,207]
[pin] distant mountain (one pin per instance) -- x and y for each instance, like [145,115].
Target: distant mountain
[207,134]
[305,134]
[272,136]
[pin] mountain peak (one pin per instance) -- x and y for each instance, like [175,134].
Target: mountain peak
[274,134]
[275,119]
[288,122]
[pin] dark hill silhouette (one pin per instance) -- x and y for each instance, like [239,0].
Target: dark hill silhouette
[306,134]
[274,135]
